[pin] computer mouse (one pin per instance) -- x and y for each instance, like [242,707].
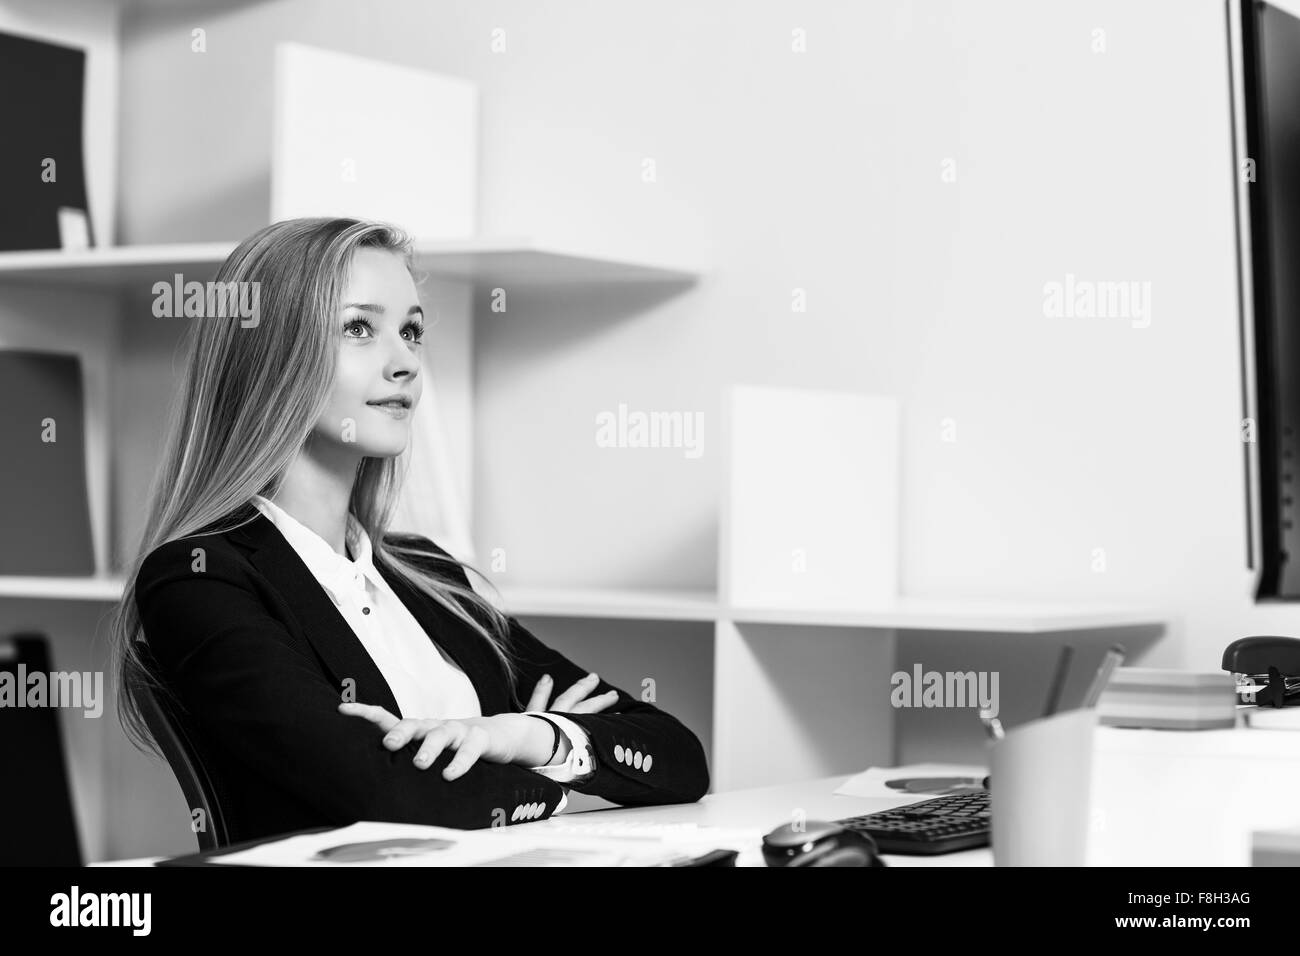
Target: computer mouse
[818,843]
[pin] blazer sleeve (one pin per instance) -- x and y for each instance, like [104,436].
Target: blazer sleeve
[642,754]
[258,693]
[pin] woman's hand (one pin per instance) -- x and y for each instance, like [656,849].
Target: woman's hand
[501,738]
[497,739]
[575,699]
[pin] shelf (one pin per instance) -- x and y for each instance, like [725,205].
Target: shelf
[904,614]
[525,262]
[613,604]
[122,266]
[99,588]
[934,614]
[479,260]
[631,604]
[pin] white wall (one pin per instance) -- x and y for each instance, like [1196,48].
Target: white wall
[823,172]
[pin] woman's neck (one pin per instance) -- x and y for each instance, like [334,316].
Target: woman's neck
[316,490]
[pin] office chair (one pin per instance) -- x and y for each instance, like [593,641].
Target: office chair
[169,729]
[38,826]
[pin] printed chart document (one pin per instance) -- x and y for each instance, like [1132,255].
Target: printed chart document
[403,844]
[915,780]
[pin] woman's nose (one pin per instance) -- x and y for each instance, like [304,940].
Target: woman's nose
[403,363]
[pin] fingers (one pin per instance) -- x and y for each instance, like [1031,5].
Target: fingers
[541,694]
[470,749]
[407,730]
[578,692]
[371,712]
[594,705]
[469,743]
[435,741]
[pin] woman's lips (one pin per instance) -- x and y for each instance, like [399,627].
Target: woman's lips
[392,409]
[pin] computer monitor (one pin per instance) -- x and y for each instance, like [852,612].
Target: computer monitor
[1264,48]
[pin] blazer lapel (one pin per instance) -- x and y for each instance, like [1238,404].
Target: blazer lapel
[333,639]
[322,624]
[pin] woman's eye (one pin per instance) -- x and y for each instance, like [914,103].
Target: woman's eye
[356,324]
[416,332]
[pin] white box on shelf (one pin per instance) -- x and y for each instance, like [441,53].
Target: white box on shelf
[810,499]
[431,502]
[359,137]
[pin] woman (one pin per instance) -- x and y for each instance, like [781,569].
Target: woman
[330,671]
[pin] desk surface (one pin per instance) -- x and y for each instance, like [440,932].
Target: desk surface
[761,808]
[765,808]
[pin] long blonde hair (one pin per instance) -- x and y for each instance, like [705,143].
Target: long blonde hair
[249,399]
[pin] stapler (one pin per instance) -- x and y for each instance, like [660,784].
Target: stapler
[1266,669]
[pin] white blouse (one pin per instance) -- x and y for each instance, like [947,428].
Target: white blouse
[425,682]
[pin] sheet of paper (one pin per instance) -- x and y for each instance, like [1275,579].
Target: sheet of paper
[400,844]
[686,839]
[915,780]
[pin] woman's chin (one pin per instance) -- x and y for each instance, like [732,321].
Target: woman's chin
[375,449]
[384,450]
[389,440]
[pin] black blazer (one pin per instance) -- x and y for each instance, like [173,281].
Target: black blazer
[258,655]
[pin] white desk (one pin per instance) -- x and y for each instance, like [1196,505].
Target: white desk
[766,808]
[763,808]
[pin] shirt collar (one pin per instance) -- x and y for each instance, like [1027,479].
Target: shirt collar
[336,574]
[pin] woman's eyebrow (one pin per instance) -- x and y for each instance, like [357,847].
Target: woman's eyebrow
[379,309]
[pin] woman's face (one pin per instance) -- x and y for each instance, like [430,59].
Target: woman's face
[377,383]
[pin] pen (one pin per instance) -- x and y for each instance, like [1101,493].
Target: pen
[1113,658]
[1058,680]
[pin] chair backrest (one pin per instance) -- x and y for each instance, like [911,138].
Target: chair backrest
[176,740]
[38,826]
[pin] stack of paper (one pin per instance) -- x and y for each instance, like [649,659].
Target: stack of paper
[1168,699]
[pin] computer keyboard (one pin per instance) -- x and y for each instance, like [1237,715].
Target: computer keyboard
[959,821]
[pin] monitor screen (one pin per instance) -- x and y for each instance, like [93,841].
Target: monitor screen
[1268,167]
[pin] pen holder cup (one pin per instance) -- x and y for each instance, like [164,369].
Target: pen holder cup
[1041,781]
